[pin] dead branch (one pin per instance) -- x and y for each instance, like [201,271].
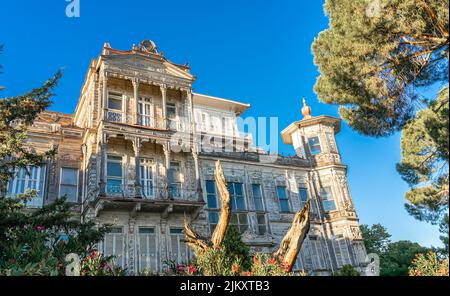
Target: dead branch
[224,219]
[292,242]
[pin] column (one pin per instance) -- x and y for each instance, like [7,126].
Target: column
[190,108]
[136,100]
[105,96]
[166,148]
[164,105]
[137,164]
[102,153]
[197,172]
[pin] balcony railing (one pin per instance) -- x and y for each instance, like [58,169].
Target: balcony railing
[150,121]
[152,192]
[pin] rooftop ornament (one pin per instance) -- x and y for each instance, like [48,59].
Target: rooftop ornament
[306,110]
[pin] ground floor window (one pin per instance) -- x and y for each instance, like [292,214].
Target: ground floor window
[30,178]
[114,245]
[262,223]
[240,220]
[179,249]
[341,250]
[147,247]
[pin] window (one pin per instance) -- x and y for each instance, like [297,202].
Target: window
[179,250]
[237,196]
[257,197]
[114,174]
[146,117]
[147,249]
[341,250]
[33,180]
[213,219]
[115,101]
[171,115]
[318,261]
[262,224]
[211,194]
[327,199]
[174,179]
[68,184]
[240,221]
[146,175]
[314,145]
[303,192]
[114,245]
[283,199]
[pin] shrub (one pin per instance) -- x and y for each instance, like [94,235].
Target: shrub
[428,264]
[347,270]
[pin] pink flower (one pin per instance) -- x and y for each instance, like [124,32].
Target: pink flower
[40,228]
[272,261]
[192,268]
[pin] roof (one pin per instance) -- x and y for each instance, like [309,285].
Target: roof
[286,134]
[221,103]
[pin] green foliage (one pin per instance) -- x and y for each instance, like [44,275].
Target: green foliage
[265,265]
[376,238]
[347,270]
[95,264]
[235,247]
[398,256]
[373,56]
[184,268]
[428,264]
[424,164]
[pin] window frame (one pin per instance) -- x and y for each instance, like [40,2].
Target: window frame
[263,202]
[233,196]
[77,183]
[148,236]
[112,95]
[122,179]
[179,237]
[149,164]
[328,194]
[304,188]
[26,179]
[287,199]
[319,143]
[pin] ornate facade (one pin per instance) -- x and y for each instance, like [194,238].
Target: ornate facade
[132,155]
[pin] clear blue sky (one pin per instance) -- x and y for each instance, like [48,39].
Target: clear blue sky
[253,51]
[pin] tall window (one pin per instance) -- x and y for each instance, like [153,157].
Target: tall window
[174,178]
[327,199]
[341,250]
[237,196]
[259,208]
[114,174]
[314,145]
[114,245]
[115,101]
[147,249]
[318,260]
[257,197]
[303,192]
[146,176]
[179,249]
[239,220]
[68,184]
[146,116]
[283,199]
[34,180]
[211,194]
[171,115]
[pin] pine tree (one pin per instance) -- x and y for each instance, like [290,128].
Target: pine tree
[236,248]
[375,54]
[34,242]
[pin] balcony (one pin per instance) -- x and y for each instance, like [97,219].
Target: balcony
[145,121]
[152,199]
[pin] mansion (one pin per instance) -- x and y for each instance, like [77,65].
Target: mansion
[133,156]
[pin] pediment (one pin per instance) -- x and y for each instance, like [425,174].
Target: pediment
[137,62]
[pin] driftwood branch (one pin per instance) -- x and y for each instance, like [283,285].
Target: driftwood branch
[224,219]
[290,245]
[292,242]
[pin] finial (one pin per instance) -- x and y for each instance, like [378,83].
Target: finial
[306,110]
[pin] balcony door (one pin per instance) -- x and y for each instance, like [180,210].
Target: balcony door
[146,174]
[146,113]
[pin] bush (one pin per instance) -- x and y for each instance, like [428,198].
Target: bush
[428,264]
[347,270]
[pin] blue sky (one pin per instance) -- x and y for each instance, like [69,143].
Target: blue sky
[252,51]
